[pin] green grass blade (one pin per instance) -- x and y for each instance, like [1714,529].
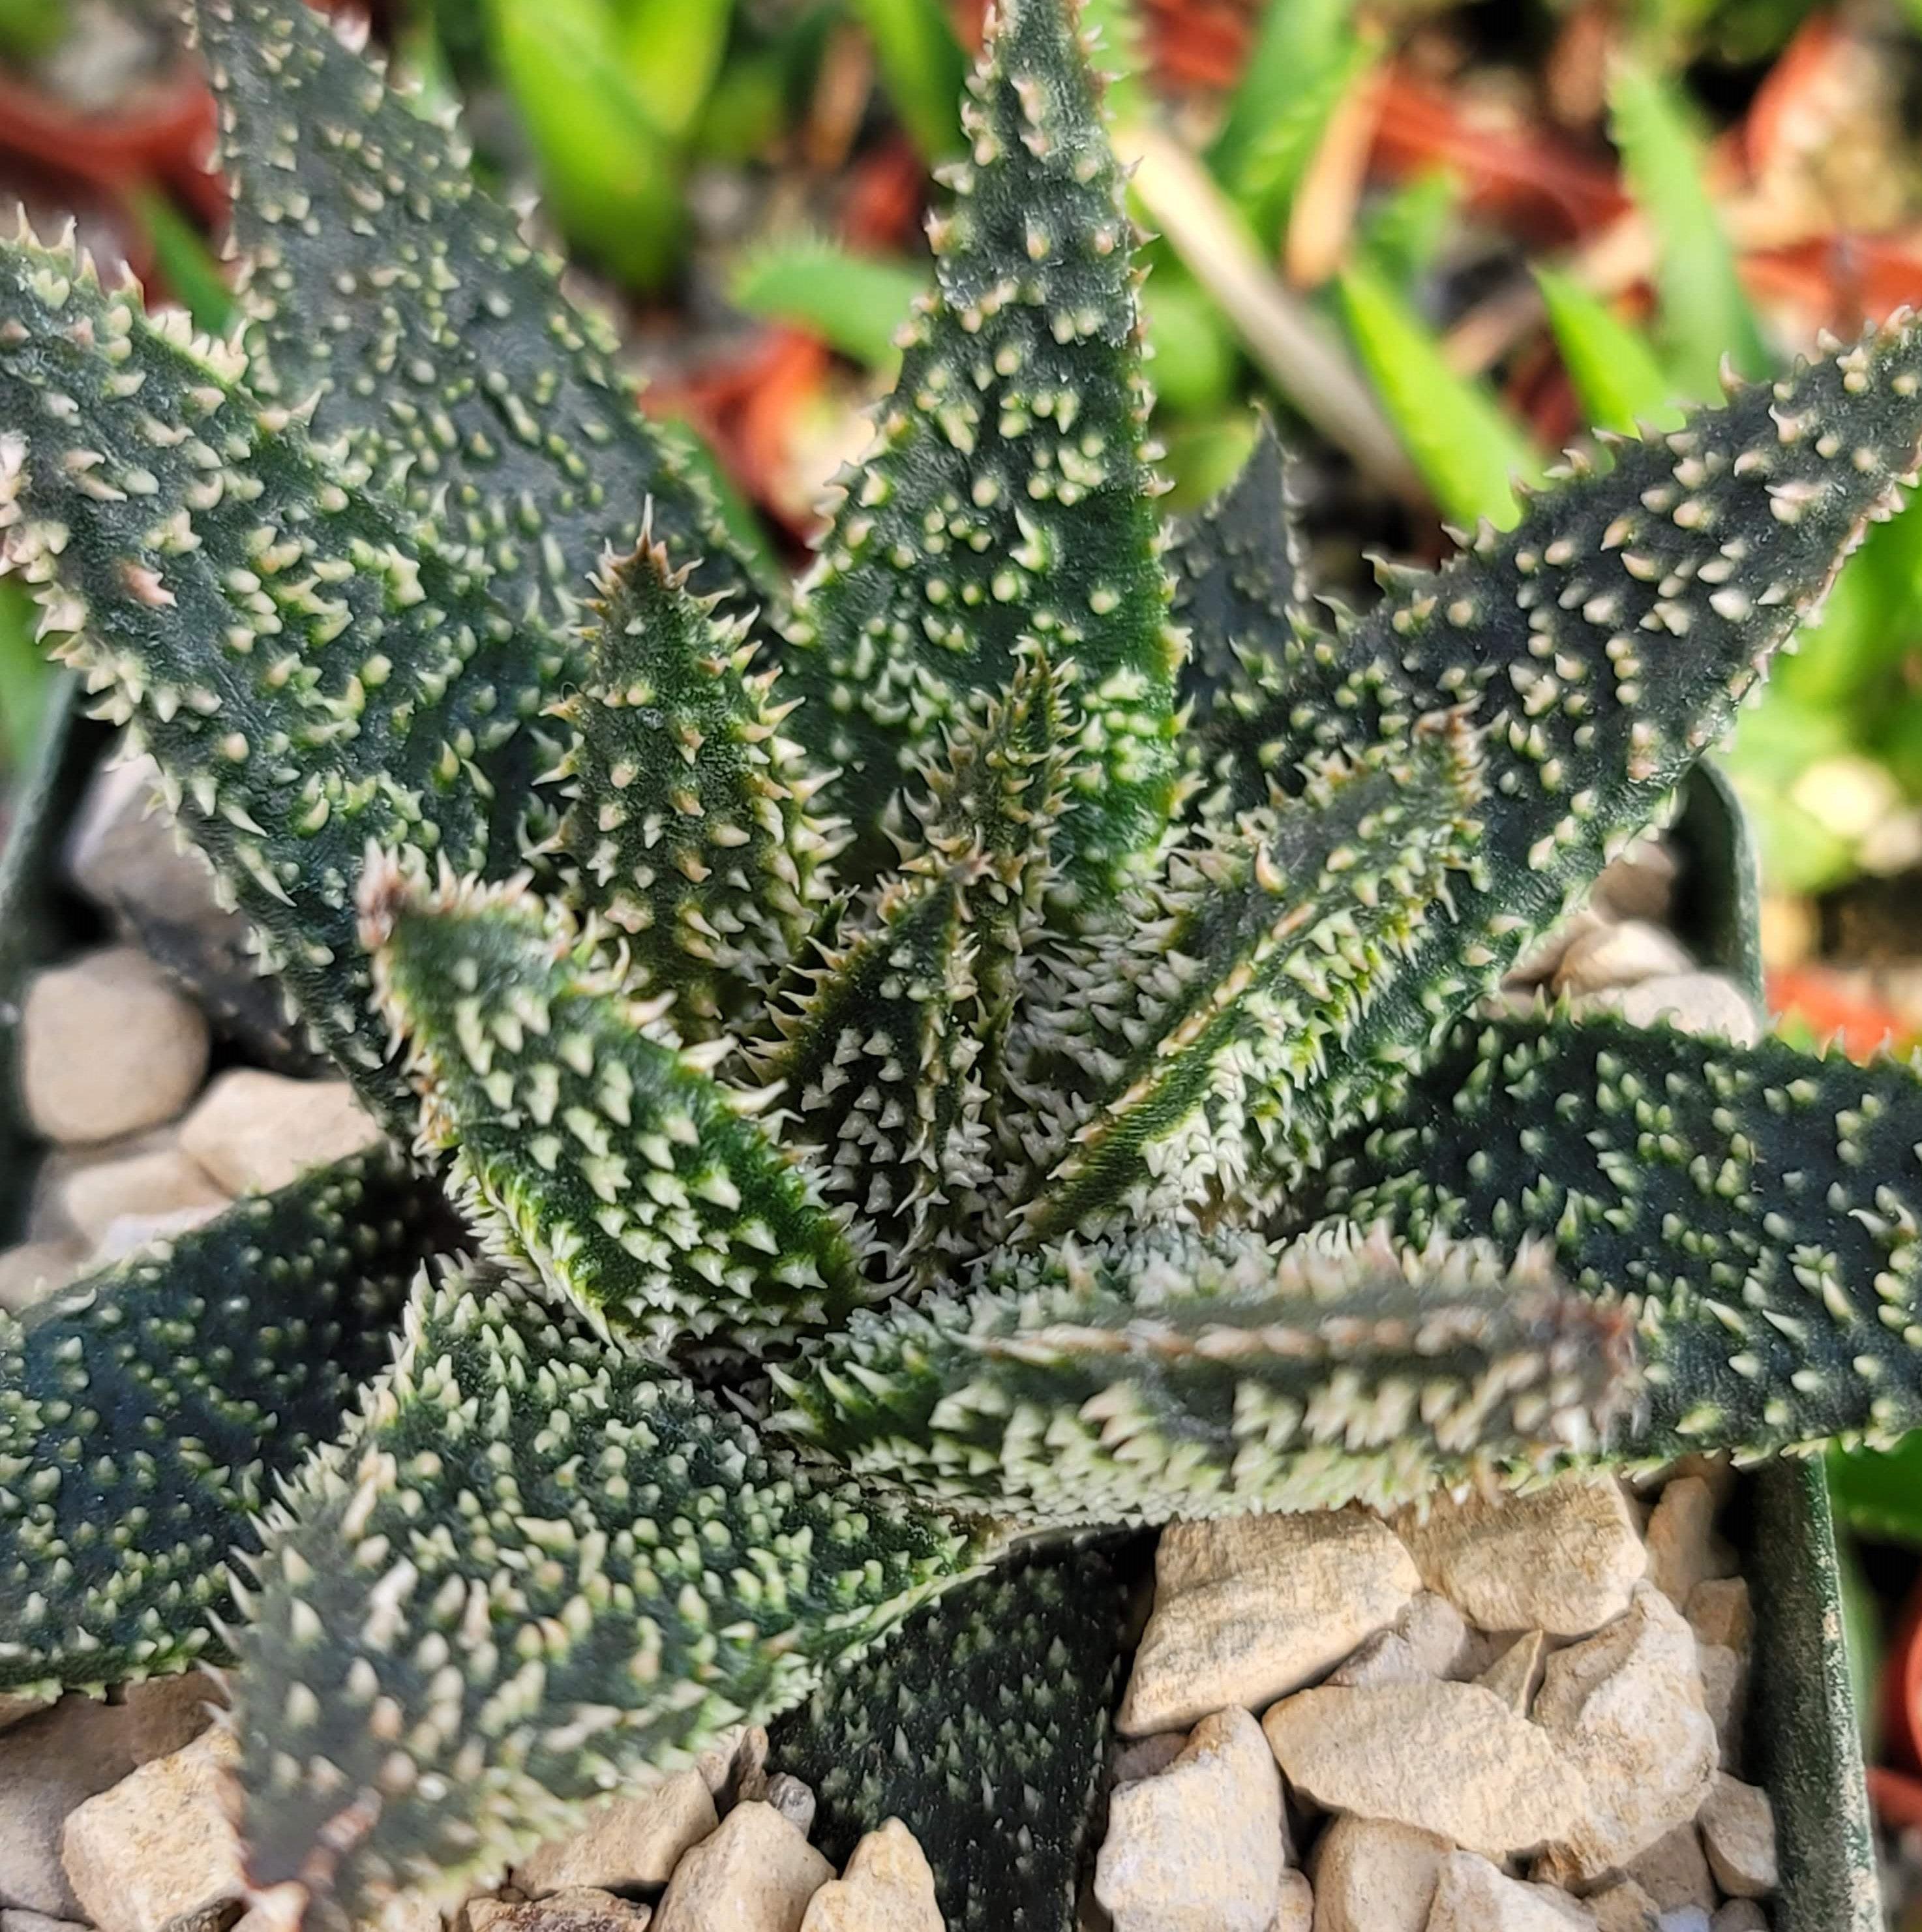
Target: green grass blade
[1467,450]
[854,303]
[1618,379]
[1704,313]
[1300,43]
[673,50]
[186,261]
[923,68]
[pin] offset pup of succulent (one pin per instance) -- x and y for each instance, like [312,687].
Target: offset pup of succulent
[978,1046]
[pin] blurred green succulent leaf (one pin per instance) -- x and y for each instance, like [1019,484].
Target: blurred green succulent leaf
[923,68]
[854,303]
[1618,377]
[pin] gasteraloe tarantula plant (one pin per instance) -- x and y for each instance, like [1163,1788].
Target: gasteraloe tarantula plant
[917,1059]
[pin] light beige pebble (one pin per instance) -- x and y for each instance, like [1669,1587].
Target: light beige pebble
[1703,1003]
[1719,1612]
[1294,1904]
[15,1706]
[1248,1608]
[1563,1558]
[1675,1872]
[1448,1758]
[1622,955]
[887,1887]
[256,1132]
[635,1840]
[1724,1695]
[51,1762]
[32,1272]
[162,1181]
[1471,1895]
[1640,882]
[1623,1907]
[1739,1915]
[1515,1675]
[107,1047]
[754,1874]
[1199,1848]
[580,1908]
[1626,1705]
[1370,1876]
[1683,1549]
[1737,1826]
[159,1844]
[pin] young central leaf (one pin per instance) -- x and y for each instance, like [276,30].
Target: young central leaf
[688,830]
[1161,1061]
[607,1153]
[892,1062]
[1008,498]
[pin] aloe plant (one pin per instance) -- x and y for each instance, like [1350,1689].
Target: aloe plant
[981,1044]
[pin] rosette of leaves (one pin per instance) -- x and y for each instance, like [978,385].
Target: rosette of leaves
[981,1044]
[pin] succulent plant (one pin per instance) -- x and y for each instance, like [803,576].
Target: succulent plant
[985,1044]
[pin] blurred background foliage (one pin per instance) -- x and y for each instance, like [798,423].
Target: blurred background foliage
[1437,238]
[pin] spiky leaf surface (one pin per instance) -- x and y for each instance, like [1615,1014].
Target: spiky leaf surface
[1241,588]
[595,1144]
[539,1565]
[1602,645]
[309,671]
[1165,1059]
[889,1063]
[145,1412]
[384,282]
[1753,1210]
[980,1724]
[688,827]
[1007,498]
[1174,1374]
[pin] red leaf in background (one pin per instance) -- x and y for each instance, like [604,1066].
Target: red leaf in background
[1833,1002]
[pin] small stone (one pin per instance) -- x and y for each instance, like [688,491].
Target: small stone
[1702,1003]
[16,1707]
[1623,1907]
[1737,1825]
[631,1842]
[1640,884]
[1620,956]
[1626,1706]
[1428,1639]
[51,1764]
[1198,1849]
[1724,1695]
[1448,1758]
[159,1844]
[1738,1915]
[161,1181]
[756,1874]
[1719,1612]
[21,1920]
[887,1887]
[1683,1918]
[793,1798]
[1515,1675]
[1294,1904]
[1683,1549]
[1673,1872]
[107,1047]
[581,1908]
[1370,1876]
[31,1272]
[256,1132]
[1386,1658]
[1471,1895]
[1248,1608]
[1563,1558]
